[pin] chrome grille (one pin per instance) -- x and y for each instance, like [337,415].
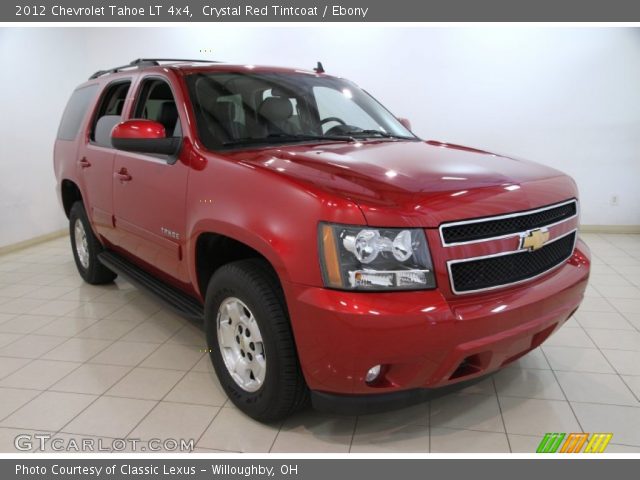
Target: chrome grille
[475,230]
[508,268]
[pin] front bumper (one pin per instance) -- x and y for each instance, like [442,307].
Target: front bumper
[381,402]
[424,339]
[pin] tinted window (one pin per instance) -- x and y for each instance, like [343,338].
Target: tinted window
[236,108]
[75,111]
[242,109]
[111,104]
[156,103]
[337,104]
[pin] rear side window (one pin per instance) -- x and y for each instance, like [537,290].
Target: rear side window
[75,111]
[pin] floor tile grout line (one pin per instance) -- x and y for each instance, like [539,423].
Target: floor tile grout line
[563,370]
[627,315]
[618,311]
[2,419]
[584,402]
[604,328]
[47,389]
[207,427]
[353,432]
[20,337]
[68,337]
[107,395]
[429,408]
[100,396]
[221,450]
[71,288]
[24,388]
[612,305]
[581,347]
[82,362]
[167,393]
[86,361]
[273,443]
[614,368]
[477,430]
[630,389]
[34,331]
[41,391]
[504,424]
[564,394]
[128,434]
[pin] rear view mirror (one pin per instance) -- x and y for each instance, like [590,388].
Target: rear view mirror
[405,123]
[144,136]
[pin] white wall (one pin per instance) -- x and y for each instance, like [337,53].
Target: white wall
[566,97]
[36,78]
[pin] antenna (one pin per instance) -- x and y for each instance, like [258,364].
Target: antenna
[319,68]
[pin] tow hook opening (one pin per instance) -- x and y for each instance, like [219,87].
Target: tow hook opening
[471,365]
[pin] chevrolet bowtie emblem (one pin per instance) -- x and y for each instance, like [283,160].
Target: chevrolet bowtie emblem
[534,239]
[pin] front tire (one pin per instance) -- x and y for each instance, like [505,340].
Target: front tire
[86,247]
[251,343]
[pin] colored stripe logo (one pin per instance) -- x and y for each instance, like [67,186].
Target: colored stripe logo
[574,443]
[550,442]
[598,442]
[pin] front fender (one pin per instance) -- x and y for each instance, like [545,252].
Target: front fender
[270,213]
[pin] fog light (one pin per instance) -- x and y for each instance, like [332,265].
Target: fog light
[373,374]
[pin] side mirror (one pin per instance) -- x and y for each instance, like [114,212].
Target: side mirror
[143,136]
[405,123]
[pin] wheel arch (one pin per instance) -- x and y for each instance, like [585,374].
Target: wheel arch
[70,194]
[213,249]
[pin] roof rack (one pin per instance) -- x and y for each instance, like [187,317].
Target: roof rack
[146,62]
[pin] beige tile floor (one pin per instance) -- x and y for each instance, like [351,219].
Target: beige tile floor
[78,361]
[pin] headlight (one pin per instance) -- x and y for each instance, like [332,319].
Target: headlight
[362,258]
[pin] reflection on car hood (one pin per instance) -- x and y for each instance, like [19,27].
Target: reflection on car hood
[425,183]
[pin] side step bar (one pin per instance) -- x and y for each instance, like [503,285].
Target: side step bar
[178,301]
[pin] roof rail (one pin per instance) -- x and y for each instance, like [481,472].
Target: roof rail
[146,62]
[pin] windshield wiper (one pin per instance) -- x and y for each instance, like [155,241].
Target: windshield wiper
[368,133]
[285,137]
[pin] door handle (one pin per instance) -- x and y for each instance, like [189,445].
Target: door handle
[123,175]
[84,163]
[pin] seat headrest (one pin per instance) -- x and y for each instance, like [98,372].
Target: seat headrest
[276,109]
[206,95]
[279,91]
[168,115]
[223,111]
[102,133]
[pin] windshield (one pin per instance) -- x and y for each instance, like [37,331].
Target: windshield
[240,109]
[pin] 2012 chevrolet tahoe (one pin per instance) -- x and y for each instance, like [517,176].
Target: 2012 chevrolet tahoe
[331,253]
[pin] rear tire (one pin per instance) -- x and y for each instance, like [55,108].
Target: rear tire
[86,247]
[245,297]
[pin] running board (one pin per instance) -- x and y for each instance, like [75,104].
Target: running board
[176,300]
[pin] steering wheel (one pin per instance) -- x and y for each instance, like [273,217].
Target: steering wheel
[332,119]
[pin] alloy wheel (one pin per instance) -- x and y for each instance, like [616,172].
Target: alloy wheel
[241,345]
[82,244]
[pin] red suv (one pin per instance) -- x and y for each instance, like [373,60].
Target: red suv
[332,254]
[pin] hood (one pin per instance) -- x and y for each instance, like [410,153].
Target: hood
[422,184]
